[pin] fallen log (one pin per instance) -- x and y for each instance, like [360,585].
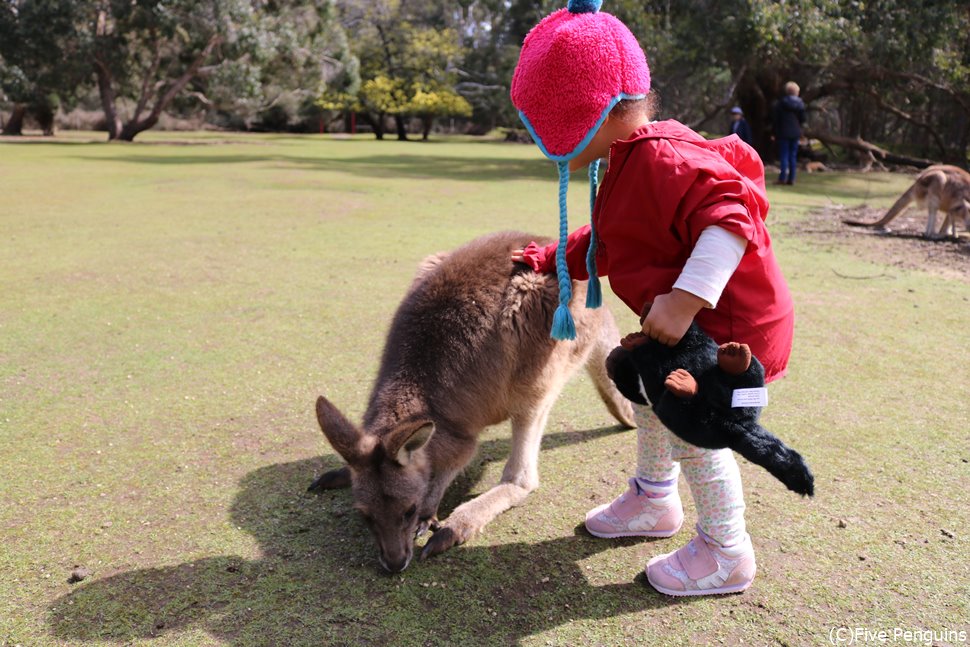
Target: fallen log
[875,152]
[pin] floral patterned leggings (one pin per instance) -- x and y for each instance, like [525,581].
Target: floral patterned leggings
[712,474]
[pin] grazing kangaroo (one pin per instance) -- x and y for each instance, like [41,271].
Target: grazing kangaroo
[939,187]
[468,347]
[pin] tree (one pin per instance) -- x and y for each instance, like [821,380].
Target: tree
[149,51]
[382,96]
[402,47]
[40,65]
[429,102]
[888,71]
[304,52]
[242,56]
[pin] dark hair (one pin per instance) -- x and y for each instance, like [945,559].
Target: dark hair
[627,109]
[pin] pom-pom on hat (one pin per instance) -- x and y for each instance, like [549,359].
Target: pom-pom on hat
[575,65]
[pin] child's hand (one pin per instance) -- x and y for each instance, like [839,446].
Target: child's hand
[533,256]
[671,315]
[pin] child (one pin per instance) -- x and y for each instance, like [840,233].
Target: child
[679,223]
[740,127]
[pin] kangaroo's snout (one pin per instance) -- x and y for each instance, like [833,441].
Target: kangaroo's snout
[395,563]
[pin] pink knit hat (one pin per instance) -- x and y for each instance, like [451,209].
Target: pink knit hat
[575,65]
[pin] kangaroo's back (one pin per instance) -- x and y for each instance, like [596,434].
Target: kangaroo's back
[469,321]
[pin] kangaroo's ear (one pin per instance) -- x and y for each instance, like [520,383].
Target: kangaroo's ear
[408,438]
[345,438]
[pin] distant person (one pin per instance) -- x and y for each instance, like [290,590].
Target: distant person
[740,127]
[787,116]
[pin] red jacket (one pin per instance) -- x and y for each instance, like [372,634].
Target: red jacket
[664,186]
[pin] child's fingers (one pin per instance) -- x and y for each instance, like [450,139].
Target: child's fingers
[659,332]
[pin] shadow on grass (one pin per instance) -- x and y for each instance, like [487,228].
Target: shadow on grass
[318,580]
[378,166]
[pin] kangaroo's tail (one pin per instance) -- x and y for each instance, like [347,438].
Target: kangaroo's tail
[618,404]
[763,448]
[894,210]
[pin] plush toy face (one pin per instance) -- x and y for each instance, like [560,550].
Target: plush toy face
[692,387]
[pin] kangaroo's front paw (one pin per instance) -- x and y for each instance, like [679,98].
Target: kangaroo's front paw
[442,539]
[453,532]
[424,525]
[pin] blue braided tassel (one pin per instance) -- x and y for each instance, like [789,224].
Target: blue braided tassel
[563,326]
[594,293]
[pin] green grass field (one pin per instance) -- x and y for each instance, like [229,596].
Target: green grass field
[170,311]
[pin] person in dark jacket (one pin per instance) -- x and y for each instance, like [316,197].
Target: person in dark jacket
[788,115]
[740,127]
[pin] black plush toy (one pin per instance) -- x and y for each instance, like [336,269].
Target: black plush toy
[691,386]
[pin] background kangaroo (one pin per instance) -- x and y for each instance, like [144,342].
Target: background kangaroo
[940,187]
[468,347]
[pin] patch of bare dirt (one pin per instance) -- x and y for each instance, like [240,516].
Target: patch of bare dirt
[902,245]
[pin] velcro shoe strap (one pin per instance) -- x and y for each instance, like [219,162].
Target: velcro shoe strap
[697,560]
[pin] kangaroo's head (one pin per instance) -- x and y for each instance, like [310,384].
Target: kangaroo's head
[389,475]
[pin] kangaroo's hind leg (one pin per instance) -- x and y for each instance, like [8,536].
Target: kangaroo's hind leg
[933,188]
[519,478]
[931,208]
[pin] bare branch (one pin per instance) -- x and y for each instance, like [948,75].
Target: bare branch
[881,102]
[728,99]
[204,100]
[183,80]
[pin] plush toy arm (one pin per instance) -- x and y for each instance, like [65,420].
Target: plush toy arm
[734,358]
[681,384]
[623,372]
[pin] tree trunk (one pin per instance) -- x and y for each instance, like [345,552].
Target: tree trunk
[107,94]
[426,124]
[45,117]
[377,125]
[402,134]
[132,128]
[15,125]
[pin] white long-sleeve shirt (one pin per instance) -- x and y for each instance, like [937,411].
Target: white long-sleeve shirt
[714,259]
